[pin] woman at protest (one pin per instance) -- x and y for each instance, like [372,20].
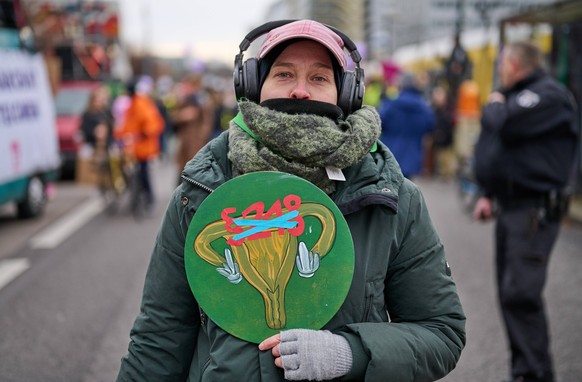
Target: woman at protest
[401,320]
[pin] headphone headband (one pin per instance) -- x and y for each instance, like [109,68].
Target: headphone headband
[267,27]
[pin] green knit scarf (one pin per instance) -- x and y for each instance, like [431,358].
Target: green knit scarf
[301,144]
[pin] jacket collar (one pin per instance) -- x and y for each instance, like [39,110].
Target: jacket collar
[525,82]
[375,180]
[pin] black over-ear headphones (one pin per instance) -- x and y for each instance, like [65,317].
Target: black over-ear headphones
[246,75]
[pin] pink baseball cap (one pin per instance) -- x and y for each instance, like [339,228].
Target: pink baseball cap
[307,29]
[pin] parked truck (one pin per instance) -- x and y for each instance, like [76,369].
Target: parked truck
[29,150]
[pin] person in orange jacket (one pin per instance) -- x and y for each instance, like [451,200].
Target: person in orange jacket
[468,118]
[140,132]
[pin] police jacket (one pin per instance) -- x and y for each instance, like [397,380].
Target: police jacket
[402,315]
[527,144]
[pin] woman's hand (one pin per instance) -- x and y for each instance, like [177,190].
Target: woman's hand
[310,355]
[273,343]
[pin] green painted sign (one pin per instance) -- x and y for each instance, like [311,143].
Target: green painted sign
[269,251]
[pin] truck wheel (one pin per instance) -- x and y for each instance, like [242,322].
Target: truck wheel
[35,200]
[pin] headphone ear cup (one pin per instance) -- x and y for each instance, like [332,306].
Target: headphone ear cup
[239,86]
[346,93]
[250,75]
[358,96]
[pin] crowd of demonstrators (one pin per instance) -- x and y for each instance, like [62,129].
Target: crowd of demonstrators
[188,113]
[402,318]
[192,110]
[406,122]
[524,159]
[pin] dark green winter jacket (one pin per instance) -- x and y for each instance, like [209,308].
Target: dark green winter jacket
[402,316]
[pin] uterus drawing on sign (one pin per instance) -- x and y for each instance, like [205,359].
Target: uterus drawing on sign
[264,248]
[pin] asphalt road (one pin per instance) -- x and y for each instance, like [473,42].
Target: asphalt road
[67,315]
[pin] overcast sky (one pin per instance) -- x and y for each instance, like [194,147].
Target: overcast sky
[209,29]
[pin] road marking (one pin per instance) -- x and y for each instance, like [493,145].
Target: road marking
[11,269]
[60,230]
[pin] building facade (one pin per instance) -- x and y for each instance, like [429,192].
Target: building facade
[379,27]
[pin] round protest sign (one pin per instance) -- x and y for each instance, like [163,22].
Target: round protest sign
[269,251]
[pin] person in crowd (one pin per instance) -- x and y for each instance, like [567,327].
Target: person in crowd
[140,131]
[96,120]
[160,97]
[119,108]
[189,128]
[457,67]
[375,91]
[146,86]
[443,133]
[96,128]
[467,118]
[192,121]
[523,161]
[402,318]
[406,121]
[224,109]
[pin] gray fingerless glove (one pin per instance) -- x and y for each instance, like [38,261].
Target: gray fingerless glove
[314,355]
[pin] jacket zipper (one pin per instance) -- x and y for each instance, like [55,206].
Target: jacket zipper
[197,184]
[202,317]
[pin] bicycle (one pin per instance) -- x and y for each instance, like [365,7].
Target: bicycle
[128,173]
[112,176]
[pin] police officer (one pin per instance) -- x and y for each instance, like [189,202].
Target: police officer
[523,161]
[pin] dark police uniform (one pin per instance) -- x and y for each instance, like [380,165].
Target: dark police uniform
[523,160]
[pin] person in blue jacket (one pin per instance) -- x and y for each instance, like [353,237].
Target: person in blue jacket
[405,122]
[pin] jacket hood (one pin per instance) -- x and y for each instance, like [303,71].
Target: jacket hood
[410,100]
